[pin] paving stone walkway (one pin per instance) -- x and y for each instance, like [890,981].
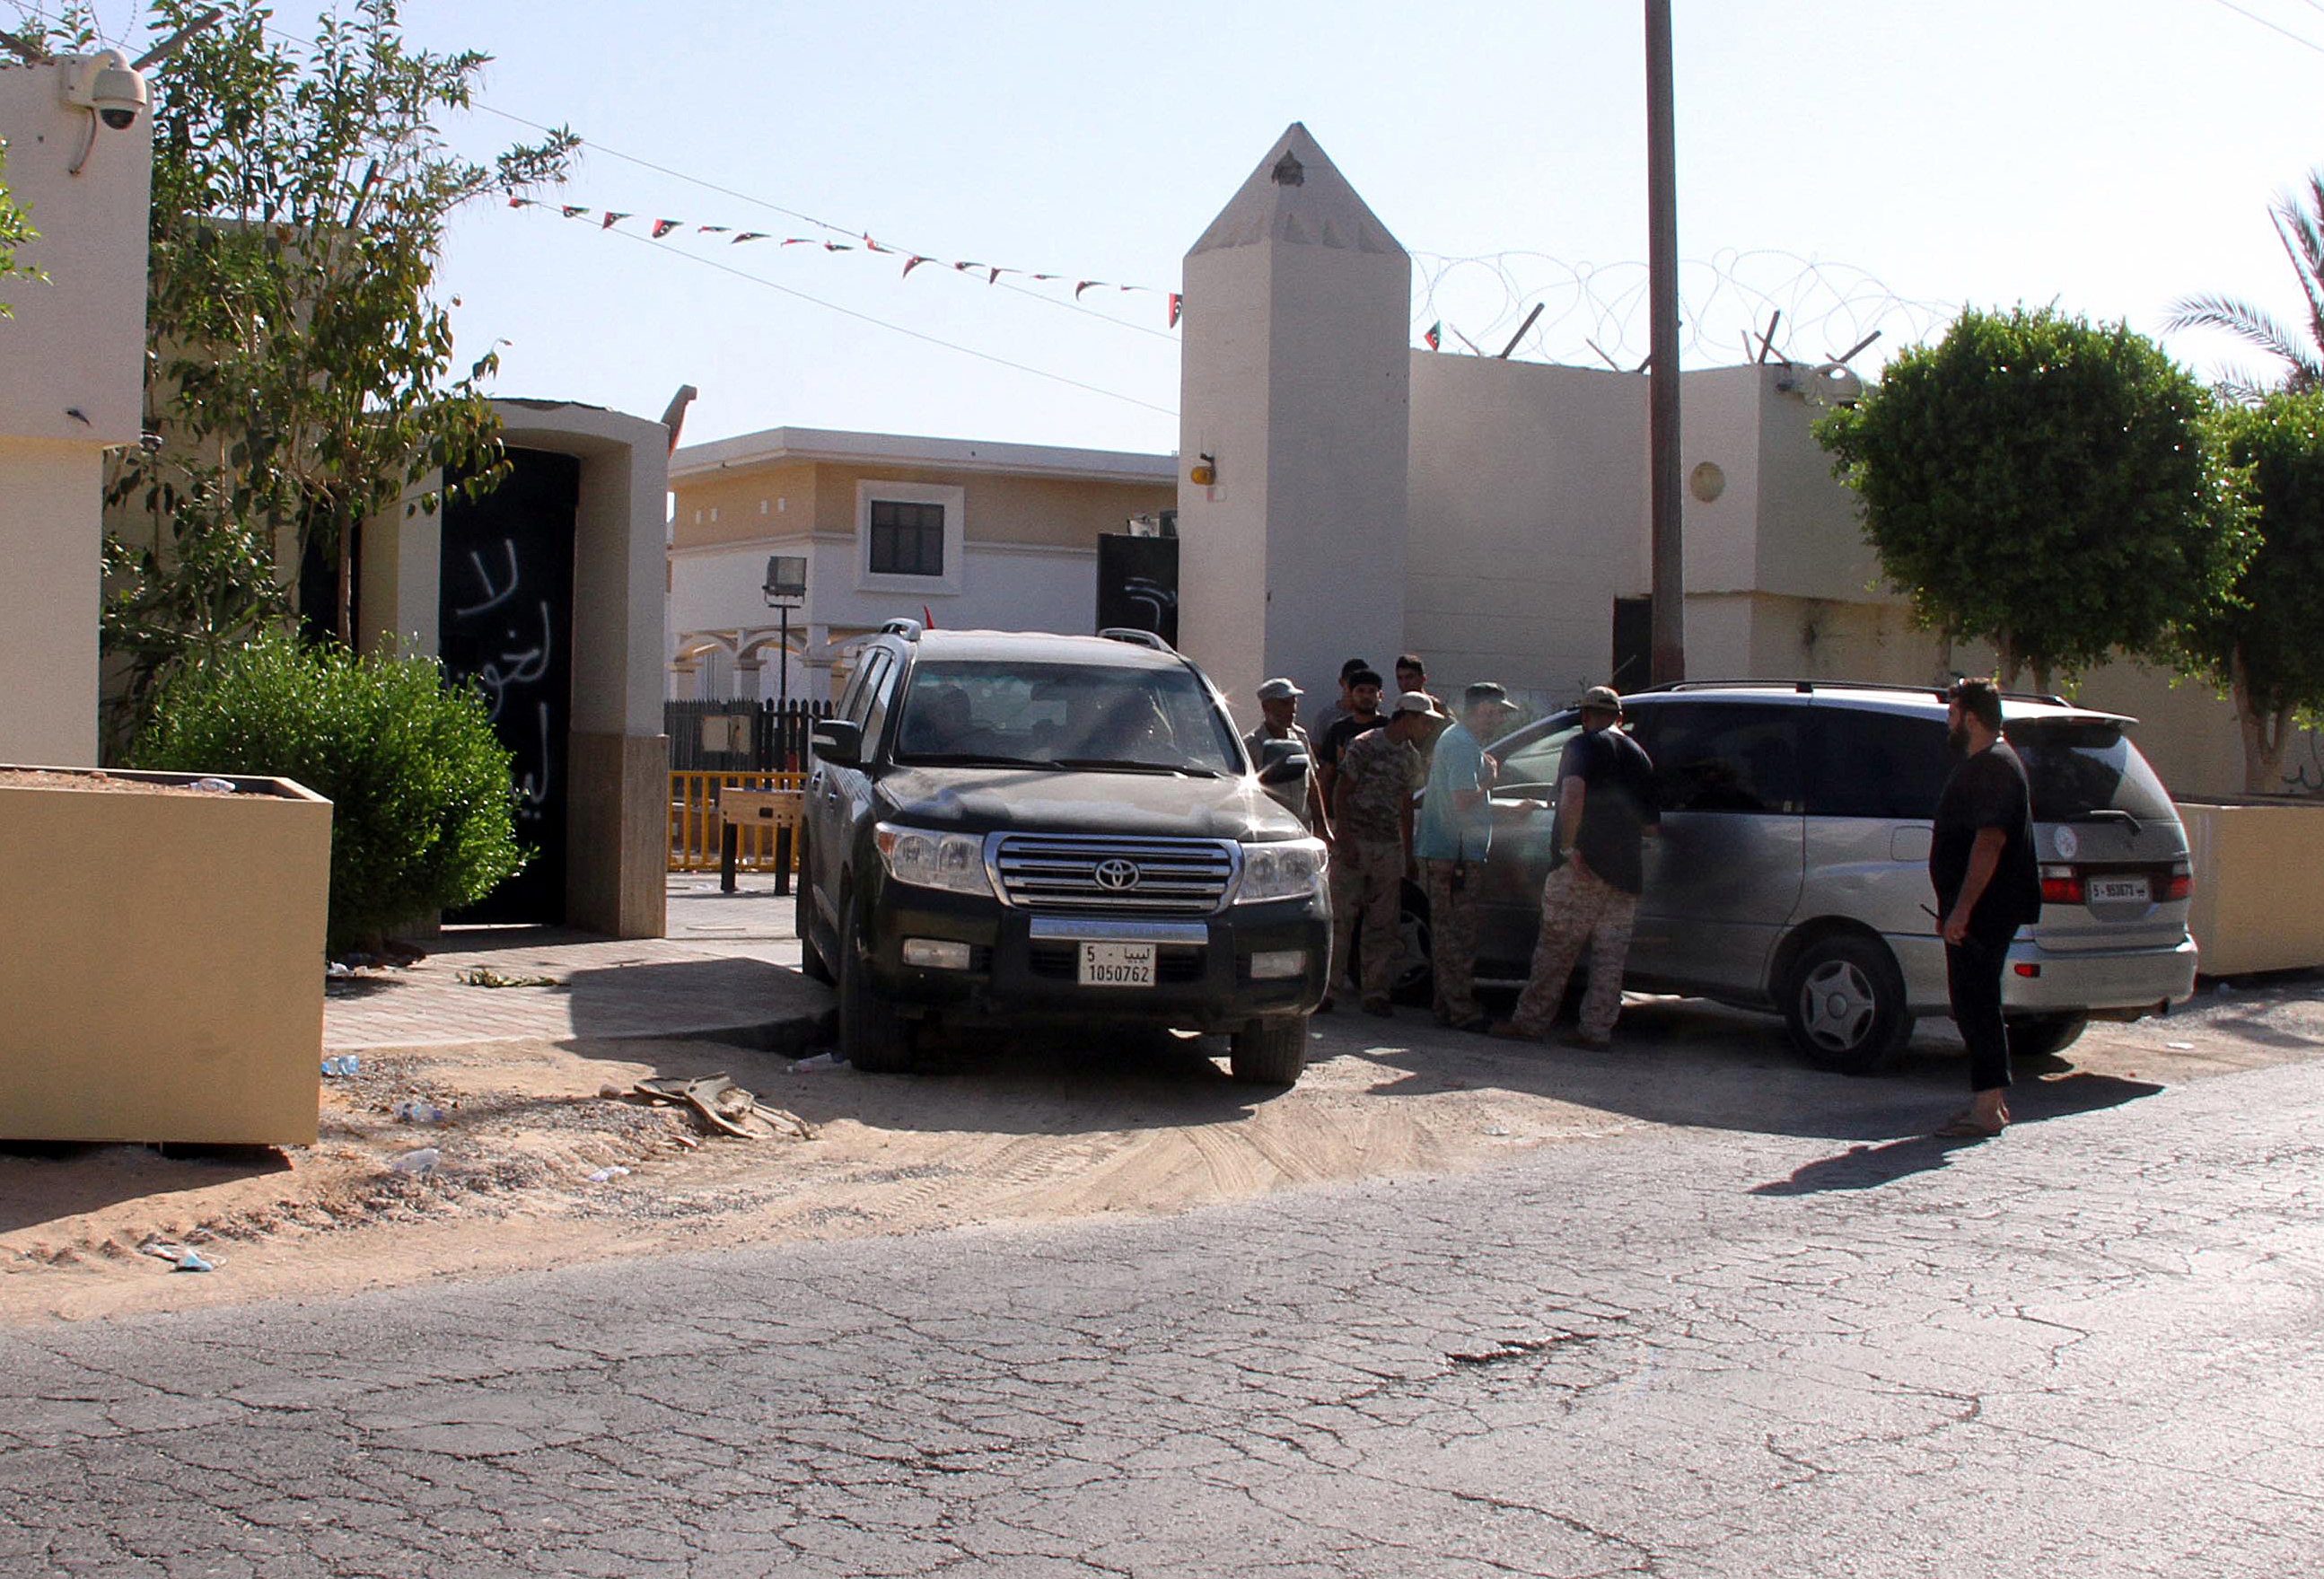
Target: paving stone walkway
[729,960]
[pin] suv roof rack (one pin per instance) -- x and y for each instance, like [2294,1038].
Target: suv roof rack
[1809,686]
[1138,638]
[910,629]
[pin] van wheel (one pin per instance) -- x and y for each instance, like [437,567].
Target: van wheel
[872,1037]
[1269,1052]
[2044,1035]
[1844,1005]
[811,960]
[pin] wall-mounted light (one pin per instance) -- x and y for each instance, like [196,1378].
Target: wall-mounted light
[1206,472]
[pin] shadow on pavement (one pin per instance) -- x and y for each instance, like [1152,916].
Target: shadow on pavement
[43,1181]
[1864,1167]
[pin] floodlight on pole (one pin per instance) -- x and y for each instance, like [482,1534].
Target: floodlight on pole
[786,589]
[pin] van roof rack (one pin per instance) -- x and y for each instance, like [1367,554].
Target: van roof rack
[1138,638]
[910,629]
[1807,687]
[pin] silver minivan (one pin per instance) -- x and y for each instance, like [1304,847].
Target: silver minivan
[1791,873]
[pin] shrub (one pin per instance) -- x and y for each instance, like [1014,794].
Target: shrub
[422,810]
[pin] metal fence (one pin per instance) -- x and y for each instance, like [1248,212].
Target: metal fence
[740,735]
[697,828]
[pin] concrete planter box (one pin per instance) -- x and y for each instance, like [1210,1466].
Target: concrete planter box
[2259,884]
[161,961]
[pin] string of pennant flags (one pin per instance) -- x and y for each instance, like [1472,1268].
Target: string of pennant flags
[657,229]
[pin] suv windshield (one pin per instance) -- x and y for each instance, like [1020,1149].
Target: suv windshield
[2082,767]
[1064,715]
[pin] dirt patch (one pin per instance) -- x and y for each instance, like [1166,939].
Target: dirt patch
[97,782]
[1004,1132]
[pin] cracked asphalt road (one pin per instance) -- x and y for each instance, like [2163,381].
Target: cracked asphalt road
[2090,1349]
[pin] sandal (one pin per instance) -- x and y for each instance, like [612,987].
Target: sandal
[1967,1126]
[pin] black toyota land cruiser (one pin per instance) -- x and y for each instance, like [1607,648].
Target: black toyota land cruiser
[1007,828]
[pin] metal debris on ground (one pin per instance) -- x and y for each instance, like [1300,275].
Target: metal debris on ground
[421,1160]
[825,1060]
[604,1173]
[719,1106]
[484,975]
[182,1258]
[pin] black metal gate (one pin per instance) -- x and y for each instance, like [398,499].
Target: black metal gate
[505,620]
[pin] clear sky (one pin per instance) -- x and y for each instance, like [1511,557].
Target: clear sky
[1859,163]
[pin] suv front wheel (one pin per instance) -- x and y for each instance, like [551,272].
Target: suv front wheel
[872,1037]
[1844,1004]
[1269,1052]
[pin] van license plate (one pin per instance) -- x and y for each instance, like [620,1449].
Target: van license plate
[1117,964]
[2114,889]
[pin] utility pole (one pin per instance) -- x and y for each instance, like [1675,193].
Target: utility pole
[1668,652]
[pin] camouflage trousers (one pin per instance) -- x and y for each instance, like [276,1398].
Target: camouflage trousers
[1365,878]
[1578,907]
[1453,937]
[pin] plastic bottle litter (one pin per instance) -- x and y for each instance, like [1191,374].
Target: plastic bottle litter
[418,1112]
[346,1064]
[820,1061]
[214,787]
[604,1173]
[192,1261]
[422,1160]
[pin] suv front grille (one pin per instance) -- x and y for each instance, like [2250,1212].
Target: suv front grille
[1089,873]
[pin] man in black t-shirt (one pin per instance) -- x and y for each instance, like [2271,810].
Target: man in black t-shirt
[1363,714]
[1981,865]
[1604,803]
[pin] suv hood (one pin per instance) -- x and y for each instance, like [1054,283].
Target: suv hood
[989,801]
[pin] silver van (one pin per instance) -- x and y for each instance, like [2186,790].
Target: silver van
[1791,873]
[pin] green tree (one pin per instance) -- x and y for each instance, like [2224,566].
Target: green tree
[2262,647]
[2300,229]
[302,372]
[2041,483]
[15,230]
[422,810]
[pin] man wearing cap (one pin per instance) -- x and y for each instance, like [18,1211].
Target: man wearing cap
[1371,813]
[1453,837]
[1278,702]
[1604,803]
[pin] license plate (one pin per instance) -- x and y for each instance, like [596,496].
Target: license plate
[2114,889]
[1117,964]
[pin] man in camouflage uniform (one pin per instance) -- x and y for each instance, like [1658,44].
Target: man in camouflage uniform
[1606,802]
[1372,850]
[1279,701]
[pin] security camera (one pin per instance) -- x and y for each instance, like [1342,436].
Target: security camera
[107,86]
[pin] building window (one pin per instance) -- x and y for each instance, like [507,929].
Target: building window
[907,540]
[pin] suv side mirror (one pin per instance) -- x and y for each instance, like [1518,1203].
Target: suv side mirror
[838,741]
[1282,761]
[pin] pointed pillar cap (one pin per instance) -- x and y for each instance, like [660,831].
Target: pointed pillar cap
[1298,197]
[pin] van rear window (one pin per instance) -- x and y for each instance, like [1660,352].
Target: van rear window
[2079,766]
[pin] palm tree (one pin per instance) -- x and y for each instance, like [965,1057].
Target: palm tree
[2301,229]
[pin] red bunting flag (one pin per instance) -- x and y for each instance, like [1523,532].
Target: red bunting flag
[1081,287]
[798,241]
[572,210]
[714,229]
[664,226]
[519,202]
[1436,334]
[748,236]
[837,247]
[1175,300]
[870,246]
[994,277]
[609,219]
[914,262]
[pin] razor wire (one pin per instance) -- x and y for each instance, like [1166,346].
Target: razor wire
[1597,314]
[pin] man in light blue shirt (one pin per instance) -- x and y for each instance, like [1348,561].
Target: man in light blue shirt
[1451,840]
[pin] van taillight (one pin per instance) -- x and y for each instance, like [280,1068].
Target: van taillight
[2179,885]
[2061,886]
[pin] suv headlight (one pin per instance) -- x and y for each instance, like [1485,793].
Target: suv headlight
[1289,869]
[933,860]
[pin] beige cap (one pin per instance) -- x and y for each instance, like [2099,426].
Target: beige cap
[1418,702]
[1278,691]
[1602,699]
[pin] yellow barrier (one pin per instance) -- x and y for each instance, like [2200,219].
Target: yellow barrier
[695,825]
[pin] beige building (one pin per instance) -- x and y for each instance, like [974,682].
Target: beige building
[967,533]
